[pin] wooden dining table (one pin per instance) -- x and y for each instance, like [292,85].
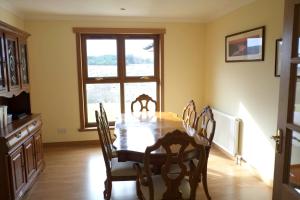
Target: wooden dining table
[137,130]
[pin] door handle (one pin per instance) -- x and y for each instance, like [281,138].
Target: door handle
[278,138]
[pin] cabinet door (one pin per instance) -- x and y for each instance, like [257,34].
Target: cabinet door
[23,64]
[38,149]
[12,62]
[17,168]
[3,84]
[30,158]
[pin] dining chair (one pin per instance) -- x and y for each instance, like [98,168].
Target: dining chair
[115,171]
[205,126]
[112,136]
[169,185]
[143,100]
[189,114]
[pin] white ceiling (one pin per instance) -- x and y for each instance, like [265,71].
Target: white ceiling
[164,10]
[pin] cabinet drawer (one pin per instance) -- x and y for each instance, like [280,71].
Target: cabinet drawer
[17,137]
[20,135]
[36,124]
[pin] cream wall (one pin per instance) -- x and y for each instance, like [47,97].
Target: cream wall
[248,90]
[10,18]
[53,71]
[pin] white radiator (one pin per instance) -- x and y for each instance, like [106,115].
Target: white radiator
[227,132]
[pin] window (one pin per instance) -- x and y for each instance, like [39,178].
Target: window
[114,67]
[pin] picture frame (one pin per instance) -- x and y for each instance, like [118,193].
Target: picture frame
[245,46]
[278,57]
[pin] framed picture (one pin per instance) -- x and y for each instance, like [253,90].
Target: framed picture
[278,56]
[245,46]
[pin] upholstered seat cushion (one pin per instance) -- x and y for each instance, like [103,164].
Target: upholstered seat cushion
[175,169]
[160,188]
[122,168]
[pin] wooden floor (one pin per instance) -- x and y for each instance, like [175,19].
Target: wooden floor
[77,173]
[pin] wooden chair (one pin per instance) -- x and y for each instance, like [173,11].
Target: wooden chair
[115,171]
[111,136]
[205,126]
[189,114]
[169,185]
[143,99]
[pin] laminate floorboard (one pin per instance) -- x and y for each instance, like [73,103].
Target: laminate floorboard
[78,173]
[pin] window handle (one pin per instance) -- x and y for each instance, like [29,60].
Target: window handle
[145,77]
[99,78]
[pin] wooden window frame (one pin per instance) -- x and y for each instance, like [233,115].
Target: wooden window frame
[82,34]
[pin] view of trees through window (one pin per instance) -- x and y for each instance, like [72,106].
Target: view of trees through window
[112,60]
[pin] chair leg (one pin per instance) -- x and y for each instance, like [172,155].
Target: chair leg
[138,190]
[204,181]
[107,191]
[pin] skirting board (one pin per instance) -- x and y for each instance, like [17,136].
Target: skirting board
[72,143]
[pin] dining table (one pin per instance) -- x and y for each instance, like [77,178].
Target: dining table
[136,131]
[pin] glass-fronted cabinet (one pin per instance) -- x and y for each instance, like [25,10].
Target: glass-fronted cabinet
[3,84]
[12,62]
[23,64]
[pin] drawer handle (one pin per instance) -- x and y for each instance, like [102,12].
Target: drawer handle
[18,135]
[34,123]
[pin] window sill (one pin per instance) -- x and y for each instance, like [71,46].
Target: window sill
[89,129]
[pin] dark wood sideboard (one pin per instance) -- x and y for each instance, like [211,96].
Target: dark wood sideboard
[21,147]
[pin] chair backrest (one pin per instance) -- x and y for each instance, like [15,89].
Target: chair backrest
[206,124]
[175,143]
[105,146]
[189,114]
[143,101]
[105,123]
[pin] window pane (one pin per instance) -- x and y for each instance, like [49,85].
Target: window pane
[294,179]
[139,57]
[297,30]
[296,117]
[108,94]
[133,90]
[102,57]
